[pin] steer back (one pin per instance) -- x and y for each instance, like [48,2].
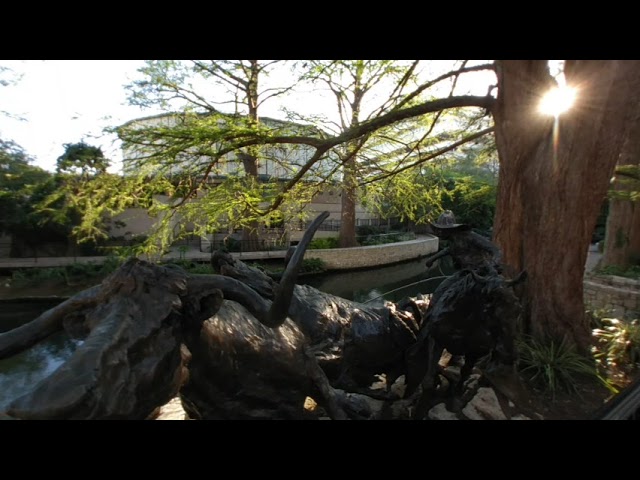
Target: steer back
[354,341]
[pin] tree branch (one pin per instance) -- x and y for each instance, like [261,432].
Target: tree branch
[415,93]
[431,156]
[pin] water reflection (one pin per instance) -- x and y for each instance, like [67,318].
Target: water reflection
[387,283]
[15,312]
[20,373]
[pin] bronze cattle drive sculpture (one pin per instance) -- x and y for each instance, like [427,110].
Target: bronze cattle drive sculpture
[238,345]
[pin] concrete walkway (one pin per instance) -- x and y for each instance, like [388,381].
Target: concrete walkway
[593,257]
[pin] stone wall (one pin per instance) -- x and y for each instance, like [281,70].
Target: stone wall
[618,294]
[371,256]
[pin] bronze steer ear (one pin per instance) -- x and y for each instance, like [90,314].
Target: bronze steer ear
[522,276]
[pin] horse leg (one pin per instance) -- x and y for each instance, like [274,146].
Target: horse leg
[469,362]
[429,383]
[455,400]
[326,396]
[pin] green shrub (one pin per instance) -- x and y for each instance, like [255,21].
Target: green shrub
[192,267]
[69,274]
[201,268]
[36,276]
[322,243]
[554,365]
[309,265]
[631,272]
[366,230]
[313,265]
[383,239]
[617,347]
[472,200]
[232,245]
[111,264]
[122,253]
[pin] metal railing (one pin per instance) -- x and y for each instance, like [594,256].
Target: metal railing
[232,244]
[333,224]
[25,252]
[261,245]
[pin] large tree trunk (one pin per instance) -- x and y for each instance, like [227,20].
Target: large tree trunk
[348,212]
[622,240]
[250,236]
[551,186]
[350,170]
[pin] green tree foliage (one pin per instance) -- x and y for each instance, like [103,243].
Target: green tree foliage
[81,159]
[629,176]
[201,144]
[183,154]
[22,188]
[463,181]
[353,83]
[473,202]
[470,187]
[414,195]
[80,166]
[18,182]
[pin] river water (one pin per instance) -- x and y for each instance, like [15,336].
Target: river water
[385,283]
[20,373]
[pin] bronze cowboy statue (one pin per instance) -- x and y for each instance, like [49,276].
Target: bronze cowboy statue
[473,313]
[467,249]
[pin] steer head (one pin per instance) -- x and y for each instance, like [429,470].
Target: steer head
[501,313]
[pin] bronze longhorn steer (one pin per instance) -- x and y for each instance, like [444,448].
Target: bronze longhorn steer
[471,316]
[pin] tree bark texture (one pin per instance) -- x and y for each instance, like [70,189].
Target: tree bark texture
[553,179]
[622,237]
[347,237]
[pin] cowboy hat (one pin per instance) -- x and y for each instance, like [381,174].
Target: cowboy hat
[447,221]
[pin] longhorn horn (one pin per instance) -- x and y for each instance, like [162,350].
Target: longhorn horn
[478,278]
[280,306]
[519,278]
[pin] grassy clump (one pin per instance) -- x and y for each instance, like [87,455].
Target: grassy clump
[309,266]
[69,274]
[323,243]
[313,265]
[194,267]
[383,239]
[554,366]
[615,270]
[617,348]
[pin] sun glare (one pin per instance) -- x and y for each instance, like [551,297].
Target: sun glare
[558,100]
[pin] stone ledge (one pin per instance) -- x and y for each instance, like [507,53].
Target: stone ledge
[374,255]
[614,280]
[618,294]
